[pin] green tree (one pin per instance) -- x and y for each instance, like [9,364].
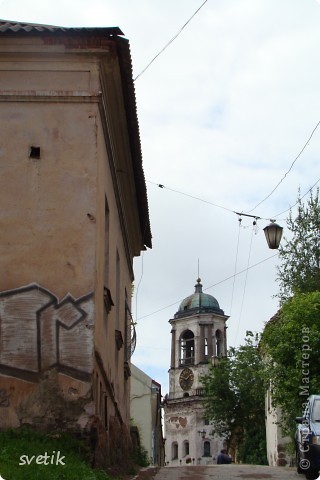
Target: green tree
[291,344]
[234,401]
[299,270]
[290,341]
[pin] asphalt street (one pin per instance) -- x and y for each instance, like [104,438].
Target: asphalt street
[225,472]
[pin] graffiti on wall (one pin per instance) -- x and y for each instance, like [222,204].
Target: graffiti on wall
[37,332]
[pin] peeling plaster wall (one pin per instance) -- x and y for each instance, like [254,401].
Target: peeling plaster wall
[56,402]
[183,421]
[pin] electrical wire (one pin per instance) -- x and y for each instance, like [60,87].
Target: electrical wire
[244,288]
[235,266]
[308,191]
[140,280]
[239,214]
[160,185]
[291,166]
[212,286]
[170,41]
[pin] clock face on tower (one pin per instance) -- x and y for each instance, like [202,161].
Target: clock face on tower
[186,379]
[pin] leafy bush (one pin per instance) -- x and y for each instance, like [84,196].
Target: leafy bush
[253,448]
[140,457]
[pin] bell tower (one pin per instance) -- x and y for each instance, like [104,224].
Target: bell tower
[198,337]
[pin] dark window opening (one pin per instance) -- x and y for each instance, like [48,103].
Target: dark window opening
[187,348]
[108,302]
[174,451]
[34,152]
[119,339]
[206,449]
[186,448]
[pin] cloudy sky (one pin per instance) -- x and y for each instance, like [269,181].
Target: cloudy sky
[224,112]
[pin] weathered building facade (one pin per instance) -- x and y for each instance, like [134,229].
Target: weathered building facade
[277,443]
[145,408]
[73,216]
[198,338]
[278,451]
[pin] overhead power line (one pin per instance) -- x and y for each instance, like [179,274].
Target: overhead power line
[308,191]
[170,41]
[245,287]
[160,185]
[294,161]
[211,286]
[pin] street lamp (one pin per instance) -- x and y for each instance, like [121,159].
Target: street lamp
[273,233]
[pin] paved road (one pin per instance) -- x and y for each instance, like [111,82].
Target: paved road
[227,472]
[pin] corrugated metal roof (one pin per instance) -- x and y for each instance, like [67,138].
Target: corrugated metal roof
[7,26]
[132,118]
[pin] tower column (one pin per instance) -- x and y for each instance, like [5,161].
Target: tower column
[201,354]
[225,341]
[210,341]
[173,348]
[214,345]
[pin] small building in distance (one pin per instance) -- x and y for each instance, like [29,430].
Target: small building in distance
[146,415]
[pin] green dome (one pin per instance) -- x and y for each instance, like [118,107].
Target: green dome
[199,302]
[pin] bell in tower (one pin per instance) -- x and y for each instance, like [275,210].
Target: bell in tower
[198,337]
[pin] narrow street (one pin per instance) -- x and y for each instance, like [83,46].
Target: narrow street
[222,472]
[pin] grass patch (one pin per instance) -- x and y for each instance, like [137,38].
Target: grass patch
[30,455]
